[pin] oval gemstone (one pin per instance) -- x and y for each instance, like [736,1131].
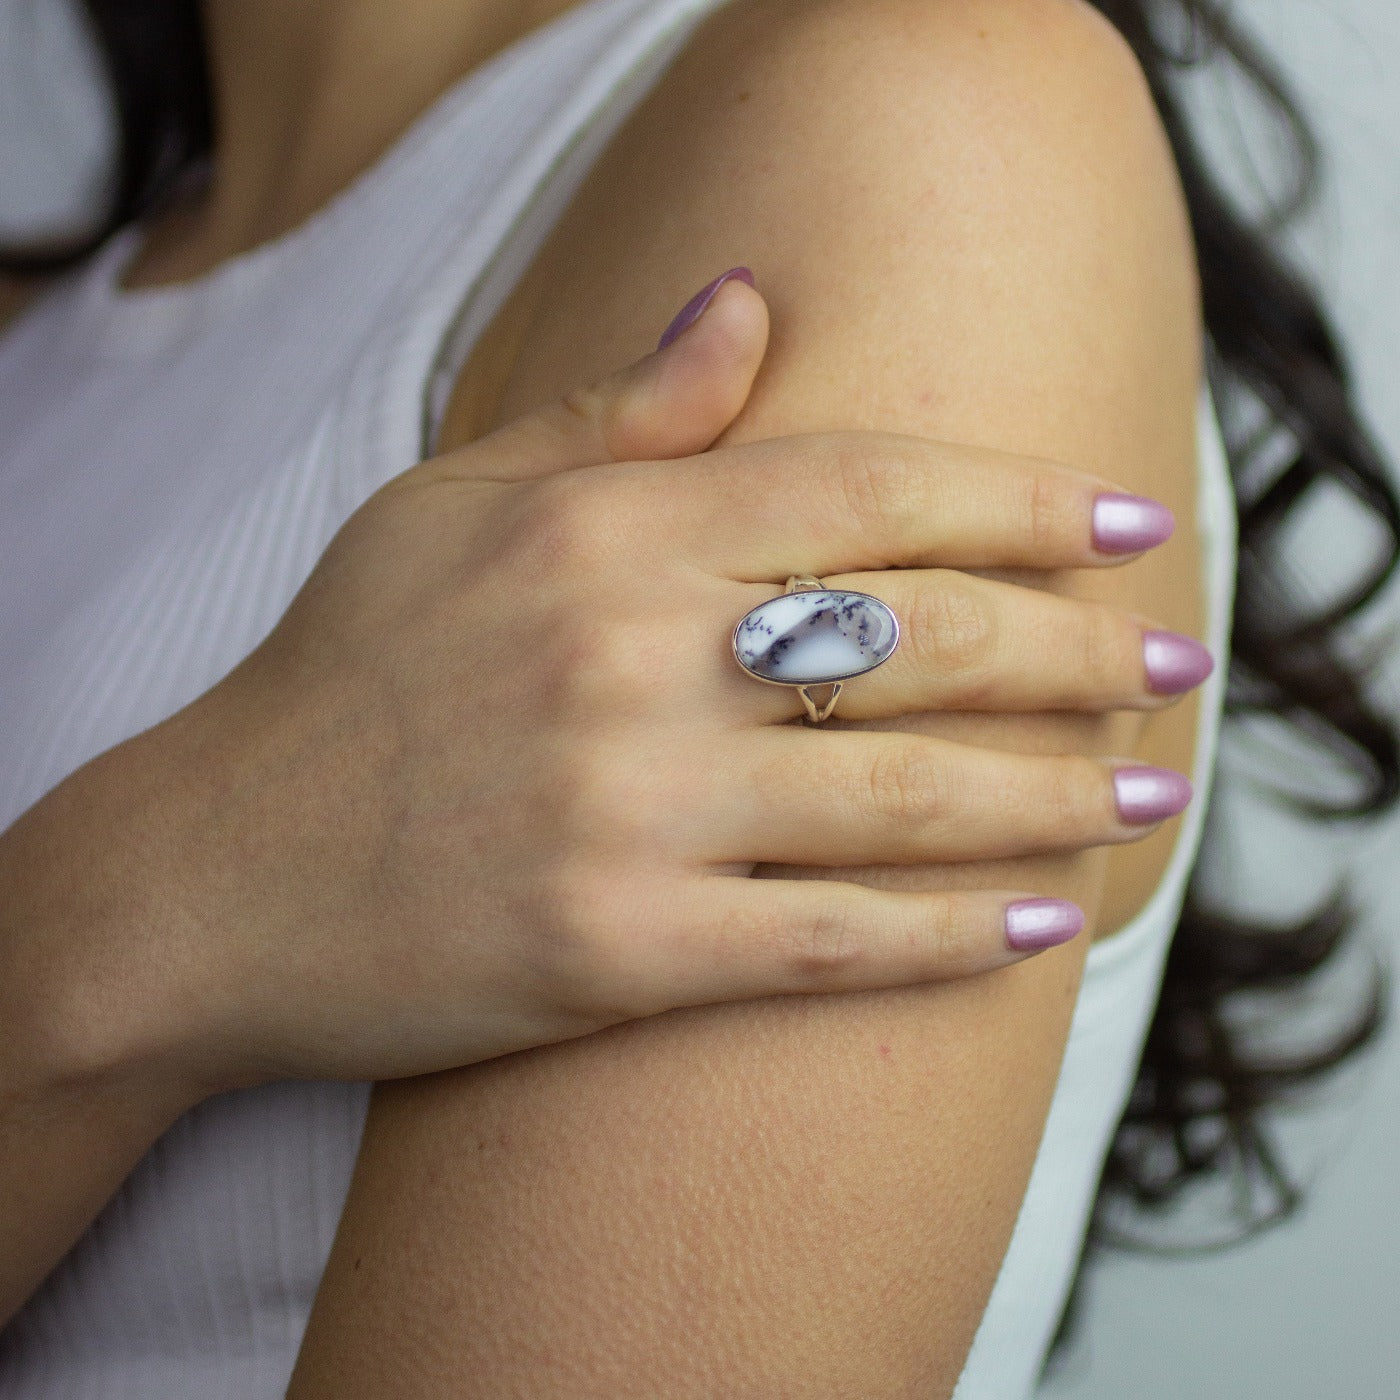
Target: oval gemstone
[816,636]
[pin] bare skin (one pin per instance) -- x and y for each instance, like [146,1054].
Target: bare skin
[990,1045]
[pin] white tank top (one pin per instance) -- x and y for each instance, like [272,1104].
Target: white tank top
[173,462]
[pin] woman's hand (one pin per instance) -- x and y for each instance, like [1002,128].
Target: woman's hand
[495,780]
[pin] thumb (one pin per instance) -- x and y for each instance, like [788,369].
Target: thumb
[671,403]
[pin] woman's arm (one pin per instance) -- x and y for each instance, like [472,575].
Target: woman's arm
[162,913]
[90,1073]
[967,224]
[85,1084]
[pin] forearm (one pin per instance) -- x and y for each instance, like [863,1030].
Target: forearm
[90,1073]
[64,1151]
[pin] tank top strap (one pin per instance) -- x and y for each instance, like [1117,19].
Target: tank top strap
[395,398]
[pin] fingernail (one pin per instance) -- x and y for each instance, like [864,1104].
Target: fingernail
[1174,664]
[1127,524]
[691,312]
[1150,794]
[1036,924]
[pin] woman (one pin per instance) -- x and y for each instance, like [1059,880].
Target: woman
[345,299]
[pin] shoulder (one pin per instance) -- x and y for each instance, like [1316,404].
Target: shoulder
[898,63]
[997,164]
[949,107]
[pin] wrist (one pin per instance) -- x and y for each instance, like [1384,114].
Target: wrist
[94,989]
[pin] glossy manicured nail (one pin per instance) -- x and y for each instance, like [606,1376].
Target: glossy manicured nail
[1150,794]
[1174,664]
[691,312]
[1036,924]
[1129,524]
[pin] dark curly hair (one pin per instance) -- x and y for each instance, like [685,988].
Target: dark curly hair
[1278,376]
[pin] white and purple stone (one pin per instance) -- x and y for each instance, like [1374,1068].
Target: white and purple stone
[815,636]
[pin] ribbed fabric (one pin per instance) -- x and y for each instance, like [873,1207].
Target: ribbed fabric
[173,463]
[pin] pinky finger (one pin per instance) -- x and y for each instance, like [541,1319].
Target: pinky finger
[752,938]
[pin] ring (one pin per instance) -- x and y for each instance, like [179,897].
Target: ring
[811,635]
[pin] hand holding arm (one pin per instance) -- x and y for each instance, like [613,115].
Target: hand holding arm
[965,218]
[459,836]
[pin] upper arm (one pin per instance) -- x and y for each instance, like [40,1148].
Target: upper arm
[966,223]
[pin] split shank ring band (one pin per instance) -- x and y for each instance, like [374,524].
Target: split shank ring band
[811,635]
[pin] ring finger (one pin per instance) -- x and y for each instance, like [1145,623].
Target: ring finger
[969,643]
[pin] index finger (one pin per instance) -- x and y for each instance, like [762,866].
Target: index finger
[840,502]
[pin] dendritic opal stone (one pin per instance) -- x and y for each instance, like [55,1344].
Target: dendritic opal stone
[816,636]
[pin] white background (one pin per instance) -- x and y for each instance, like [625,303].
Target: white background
[1313,1309]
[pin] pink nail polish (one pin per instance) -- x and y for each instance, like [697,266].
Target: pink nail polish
[1033,925]
[1129,524]
[691,312]
[1174,663]
[1150,794]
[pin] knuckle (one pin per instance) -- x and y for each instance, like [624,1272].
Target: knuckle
[583,949]
[588,407]
[570,523]
[828,949]
[1076,797]
[598,799]
[873,483]
[955,634]
[613,413]
[943,930]
[906,787]
[600,664]
[560,906]
[1045,511]
[1102,652]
